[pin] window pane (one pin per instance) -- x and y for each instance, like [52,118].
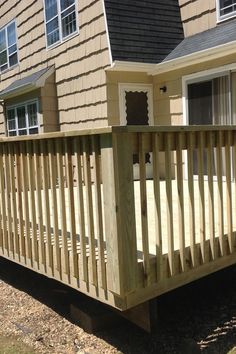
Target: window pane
[11,34]
[68,22]
[23,132]
[11,114]
[21,117]
[12,49]
[3,57]
[52,31]
[4,67]
[13,133]
[50,9]
[32,115]
[33,131]
[66,3]
[11,124]
[13,59]
[227,6]
[2,40]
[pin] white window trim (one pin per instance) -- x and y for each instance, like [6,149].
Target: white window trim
[148,88]
[20,104]
[65,39]
[224,17]
[7,47]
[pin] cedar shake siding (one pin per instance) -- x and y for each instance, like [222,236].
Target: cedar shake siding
[75,95]
[143,31]
[197,15]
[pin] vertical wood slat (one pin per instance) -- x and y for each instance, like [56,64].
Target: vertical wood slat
[180,191]
[8,200]
[3,204]
[190,137]
[19,201]
[62,210]
[169,204]
[70,188]
[31,171]
[228,138]
[24,176]
[202,211]
[80,198]
[53,169]
[39,217]
[220,203]
[98,208]
[13,202]
[89,204]
[211,214]
[143,208]
[157,198]
[48,242]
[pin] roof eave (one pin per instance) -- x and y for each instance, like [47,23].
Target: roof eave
[195,58]
[131,66]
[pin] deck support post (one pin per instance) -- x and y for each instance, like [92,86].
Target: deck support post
[119,212]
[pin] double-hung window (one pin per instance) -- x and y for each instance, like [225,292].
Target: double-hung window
[60,20]
[8,46]
[225,9]
[23,119]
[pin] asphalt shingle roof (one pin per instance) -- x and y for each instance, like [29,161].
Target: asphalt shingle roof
[222,34]
[143,31]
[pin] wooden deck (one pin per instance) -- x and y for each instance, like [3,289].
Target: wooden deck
[71,209]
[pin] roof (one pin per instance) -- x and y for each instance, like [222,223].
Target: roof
[220,35]
[143,31]
[27,83]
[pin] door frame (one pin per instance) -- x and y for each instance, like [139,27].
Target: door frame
[137,87]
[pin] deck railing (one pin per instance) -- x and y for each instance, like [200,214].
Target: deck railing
[124,213]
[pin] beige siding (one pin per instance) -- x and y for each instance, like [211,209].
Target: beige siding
[80,81]
[197,15]
[169,105]
[113,80]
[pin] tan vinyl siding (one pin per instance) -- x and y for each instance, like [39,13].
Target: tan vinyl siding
[169,105]
[197,15]
[113,80]
[80,80]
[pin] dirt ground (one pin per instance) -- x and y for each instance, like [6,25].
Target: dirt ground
[34,318]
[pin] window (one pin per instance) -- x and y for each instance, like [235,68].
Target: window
[60,20]
[8,46]
[226,9]
[23,119]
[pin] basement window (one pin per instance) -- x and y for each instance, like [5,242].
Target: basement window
[23,119]
[60,20]
[225,9]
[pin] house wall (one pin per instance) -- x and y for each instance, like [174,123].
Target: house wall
[113,80]
[169,105]
[197,15]
[79,92]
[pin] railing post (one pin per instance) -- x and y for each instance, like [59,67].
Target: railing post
[119,212]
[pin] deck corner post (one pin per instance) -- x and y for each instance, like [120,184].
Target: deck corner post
[119,212]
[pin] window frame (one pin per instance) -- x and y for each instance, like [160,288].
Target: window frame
[59,13]
[7,46]
[27,127]
[223,17]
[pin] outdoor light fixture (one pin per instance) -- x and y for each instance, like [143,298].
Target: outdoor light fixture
[163,89]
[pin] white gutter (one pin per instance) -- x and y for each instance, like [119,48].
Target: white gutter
[131,66]
[195,58]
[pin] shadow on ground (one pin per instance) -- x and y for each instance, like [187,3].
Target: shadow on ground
[197,318]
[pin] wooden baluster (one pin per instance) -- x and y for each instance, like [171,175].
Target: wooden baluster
[180,191]
[169,203]
[91,236]
[157,193]
[220,203]
[98,209]
[3,205]
[228,143]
